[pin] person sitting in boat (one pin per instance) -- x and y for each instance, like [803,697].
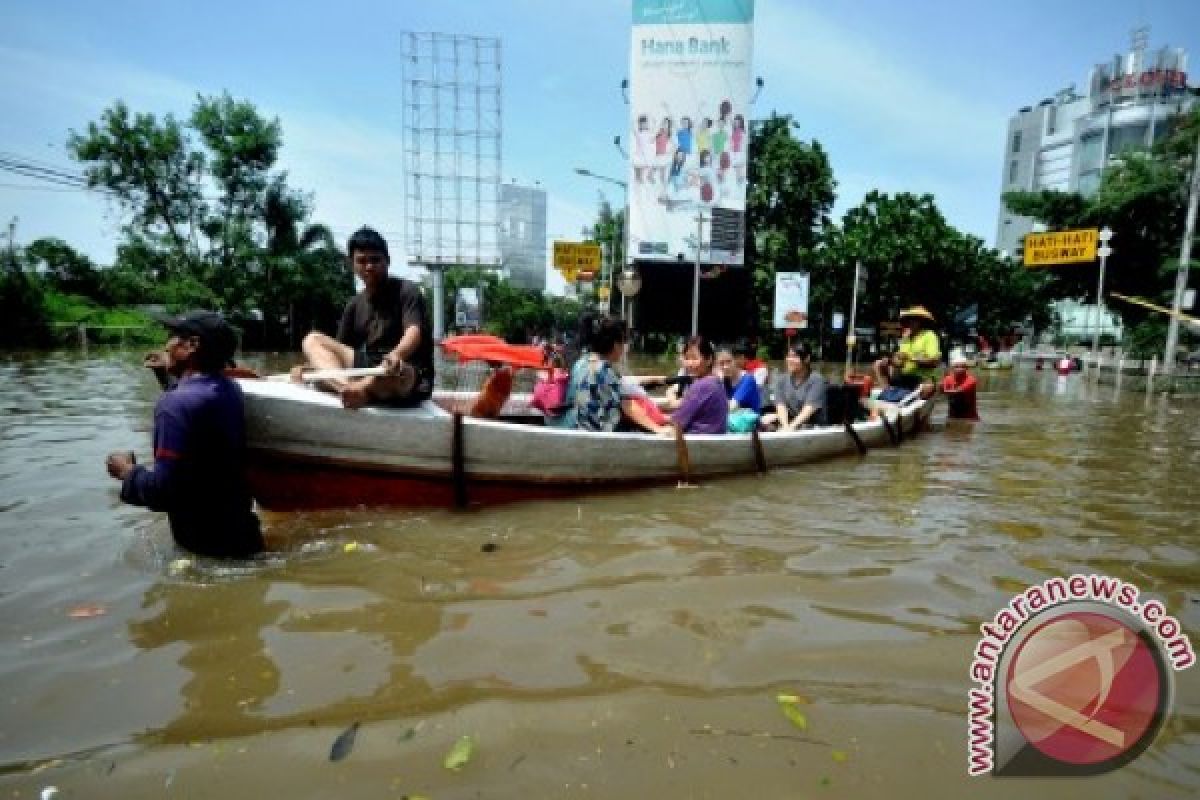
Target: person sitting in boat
[915,363]
[746,356]
[600,399]
[386,325]
[198,476]
[799,393]
[740,385]
[704,407]
[959,386]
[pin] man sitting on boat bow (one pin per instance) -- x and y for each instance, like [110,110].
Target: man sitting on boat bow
[384,325]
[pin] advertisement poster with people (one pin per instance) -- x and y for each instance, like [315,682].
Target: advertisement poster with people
[689,113]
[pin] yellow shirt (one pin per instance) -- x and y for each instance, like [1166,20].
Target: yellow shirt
[924,346]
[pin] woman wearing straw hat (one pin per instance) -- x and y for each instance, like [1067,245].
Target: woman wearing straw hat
[915,363]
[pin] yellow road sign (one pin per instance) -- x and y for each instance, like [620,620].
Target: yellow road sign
[1060,247]
[571,258]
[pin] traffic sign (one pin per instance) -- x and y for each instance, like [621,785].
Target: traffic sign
[570,258]
[1061,247]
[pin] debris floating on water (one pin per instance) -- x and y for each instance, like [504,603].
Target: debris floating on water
[179,566]
[460,754]
[87,612]
[344,743]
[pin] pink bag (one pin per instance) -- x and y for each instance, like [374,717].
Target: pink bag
[550,394]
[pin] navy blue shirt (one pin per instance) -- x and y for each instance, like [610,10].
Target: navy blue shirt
[199,468]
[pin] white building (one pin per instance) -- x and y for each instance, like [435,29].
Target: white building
[523,235]
[1065,141]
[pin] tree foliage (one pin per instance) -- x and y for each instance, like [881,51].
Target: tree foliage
[248,249]
[511,313]
[789,194]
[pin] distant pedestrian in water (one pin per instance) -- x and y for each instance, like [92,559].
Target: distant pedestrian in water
[960,386]
[198,476]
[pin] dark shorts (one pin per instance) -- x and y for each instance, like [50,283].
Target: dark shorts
[422,390]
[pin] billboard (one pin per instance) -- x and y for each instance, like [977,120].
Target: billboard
[791,300]
[689,135]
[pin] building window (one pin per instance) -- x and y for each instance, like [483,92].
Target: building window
[1012,171]
[1051,120]
[1016,147]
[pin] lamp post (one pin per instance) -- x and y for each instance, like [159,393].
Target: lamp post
[587,173]
[630,284]
[1185,255]
[1104,252]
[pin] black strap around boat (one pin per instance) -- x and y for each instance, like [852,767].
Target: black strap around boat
[682,458]
[760,456]
[858,442]
[887,426]
[458,463]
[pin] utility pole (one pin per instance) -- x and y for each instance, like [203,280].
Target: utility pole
[12,244]
[696,276]
[1185,255]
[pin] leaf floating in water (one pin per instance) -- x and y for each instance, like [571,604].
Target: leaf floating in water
[87,612]
[344,743]
[788,704]
[349,547]
[460,754]
[839,755]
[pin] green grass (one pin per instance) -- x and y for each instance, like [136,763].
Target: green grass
[66,312]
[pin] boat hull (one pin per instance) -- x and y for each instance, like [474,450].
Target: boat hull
[307,452]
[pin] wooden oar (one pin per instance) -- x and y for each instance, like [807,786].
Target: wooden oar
[314,375]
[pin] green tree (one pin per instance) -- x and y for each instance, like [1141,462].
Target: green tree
[250,247]
[911,255]
[789,194]
[67,269]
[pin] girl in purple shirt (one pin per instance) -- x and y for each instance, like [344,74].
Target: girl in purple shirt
[704,407]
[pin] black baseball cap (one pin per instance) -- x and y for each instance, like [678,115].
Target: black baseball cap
[217,339]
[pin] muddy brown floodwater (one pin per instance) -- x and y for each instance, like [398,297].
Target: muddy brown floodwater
[625,645]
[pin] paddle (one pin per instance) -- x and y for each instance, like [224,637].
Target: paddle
[315,375]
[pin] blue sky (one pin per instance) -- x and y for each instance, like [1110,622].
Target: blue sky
[903,96]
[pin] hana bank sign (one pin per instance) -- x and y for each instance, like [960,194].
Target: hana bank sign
[1075,677]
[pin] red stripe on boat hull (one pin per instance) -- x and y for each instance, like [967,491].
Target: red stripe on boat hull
[286,486]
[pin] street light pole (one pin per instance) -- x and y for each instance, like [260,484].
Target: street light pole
[623,261]
[1185,255]
[1104,252]
[852,336]
[696,276]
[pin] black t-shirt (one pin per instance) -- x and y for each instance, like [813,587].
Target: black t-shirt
[375,324]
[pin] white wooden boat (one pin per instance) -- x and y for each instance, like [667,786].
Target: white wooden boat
[306,451]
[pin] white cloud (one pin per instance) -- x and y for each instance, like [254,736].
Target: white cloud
[822,70]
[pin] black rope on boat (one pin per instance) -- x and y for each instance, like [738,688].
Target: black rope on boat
[887,426]
[458,461]
[682,458]
[858,442]
[760,456]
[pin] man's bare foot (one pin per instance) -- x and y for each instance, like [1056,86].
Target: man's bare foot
[355,397]
[297,374]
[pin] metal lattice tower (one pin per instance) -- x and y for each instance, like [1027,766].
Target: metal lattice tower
[452,122]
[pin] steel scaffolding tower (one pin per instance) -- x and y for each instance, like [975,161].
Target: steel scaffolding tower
[452,124]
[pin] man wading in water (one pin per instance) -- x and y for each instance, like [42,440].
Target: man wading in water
[198,476]
[384,325]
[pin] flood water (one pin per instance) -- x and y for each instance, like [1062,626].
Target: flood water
[626,645]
